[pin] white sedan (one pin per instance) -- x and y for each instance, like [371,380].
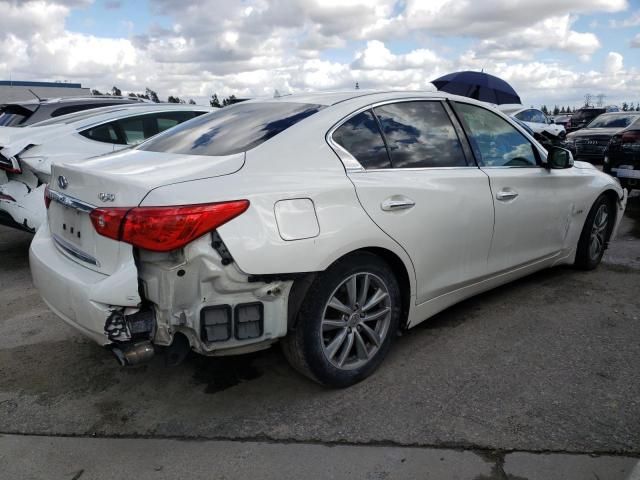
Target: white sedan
[535,119]
[327,221]
[26,154]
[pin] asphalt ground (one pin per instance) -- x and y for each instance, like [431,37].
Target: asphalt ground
[548,365]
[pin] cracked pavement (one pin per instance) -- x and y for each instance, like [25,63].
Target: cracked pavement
[546,366]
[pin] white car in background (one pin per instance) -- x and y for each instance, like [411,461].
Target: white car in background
[535,119]
[329,221]
[26,153]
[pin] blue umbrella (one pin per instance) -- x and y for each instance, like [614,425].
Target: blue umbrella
[478,85]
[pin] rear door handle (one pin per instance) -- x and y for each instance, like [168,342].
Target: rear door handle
[506,195]
[397,203]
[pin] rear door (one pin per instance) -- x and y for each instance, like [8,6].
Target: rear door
[533,205]
[419,186]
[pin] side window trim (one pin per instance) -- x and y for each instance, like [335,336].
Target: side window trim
[536,151]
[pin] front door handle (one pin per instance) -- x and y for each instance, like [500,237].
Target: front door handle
[506,195]
[397,203]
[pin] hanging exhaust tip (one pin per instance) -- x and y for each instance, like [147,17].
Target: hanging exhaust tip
[133,354]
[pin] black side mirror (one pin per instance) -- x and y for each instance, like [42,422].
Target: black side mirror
[559,158]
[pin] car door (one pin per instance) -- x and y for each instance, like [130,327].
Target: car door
[421,188]
[533,208]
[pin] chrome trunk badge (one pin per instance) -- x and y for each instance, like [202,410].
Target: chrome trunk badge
[106,197]
[63,183]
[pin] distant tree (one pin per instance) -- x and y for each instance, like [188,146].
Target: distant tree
[143,95]
[173,99]
[115,91]
[191,101]
[151,95]
[544,109]
[96,92]
[133,95]
[632,107]
[230,100]
[357,86]
[556,110]
[562,110]
[625,106]
[214,102]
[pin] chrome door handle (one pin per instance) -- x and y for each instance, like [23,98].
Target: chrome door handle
[392,204]
[505,195]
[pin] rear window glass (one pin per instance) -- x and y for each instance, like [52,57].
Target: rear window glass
[612,121]
[232,129]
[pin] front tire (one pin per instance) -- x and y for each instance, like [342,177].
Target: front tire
[595,234]
[347,321]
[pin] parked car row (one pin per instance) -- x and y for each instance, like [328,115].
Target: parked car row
[27,153]
[324,221]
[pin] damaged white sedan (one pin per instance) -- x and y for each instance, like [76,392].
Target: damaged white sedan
[26,153]
[327,221]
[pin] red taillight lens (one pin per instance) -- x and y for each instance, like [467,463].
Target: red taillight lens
[632,136]
[162,229]
[47,198]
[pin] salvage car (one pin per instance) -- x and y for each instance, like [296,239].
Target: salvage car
[535,119]
[26,154]
[590,142]
[585,115]
[327,221]
[28,112]
[622,157]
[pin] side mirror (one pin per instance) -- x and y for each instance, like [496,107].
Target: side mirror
[559,158]
[552,120]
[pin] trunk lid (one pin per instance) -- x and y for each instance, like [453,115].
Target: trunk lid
[123,179]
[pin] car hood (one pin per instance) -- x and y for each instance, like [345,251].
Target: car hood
[132,174]
[595,132]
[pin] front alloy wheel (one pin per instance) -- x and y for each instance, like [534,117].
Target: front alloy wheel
[595,234]
[346,322]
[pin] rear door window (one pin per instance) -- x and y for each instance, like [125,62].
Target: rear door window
[107,133]
[166,120]
[419,135]
[360,136]
[233,129]
[495,142]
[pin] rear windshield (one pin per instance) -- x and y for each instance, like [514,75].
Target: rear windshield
[613,121]
[587,114]
[81,115]
[14,115]
[233,129]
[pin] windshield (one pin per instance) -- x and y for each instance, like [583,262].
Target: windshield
[613,121]
[232,129]
[587,114]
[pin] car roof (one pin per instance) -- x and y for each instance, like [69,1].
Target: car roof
[103,114]
[78,100]
[333,98]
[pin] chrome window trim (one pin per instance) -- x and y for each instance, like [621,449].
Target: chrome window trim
[416,169]
[351,164]
[70,202]
[74,251]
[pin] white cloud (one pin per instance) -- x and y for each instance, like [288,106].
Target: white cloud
[635,41]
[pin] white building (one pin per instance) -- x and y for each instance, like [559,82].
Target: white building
[15,91]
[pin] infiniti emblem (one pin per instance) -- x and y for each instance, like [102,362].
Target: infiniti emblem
[63,182]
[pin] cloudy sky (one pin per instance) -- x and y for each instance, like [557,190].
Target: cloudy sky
[551,51]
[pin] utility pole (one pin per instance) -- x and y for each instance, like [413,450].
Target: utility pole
[357,86]
[601,97]
[587,99]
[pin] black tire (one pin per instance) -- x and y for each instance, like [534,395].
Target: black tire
[304,346]
[586,259]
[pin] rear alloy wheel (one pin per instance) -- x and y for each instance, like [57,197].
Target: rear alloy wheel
[347,321]
[595,234]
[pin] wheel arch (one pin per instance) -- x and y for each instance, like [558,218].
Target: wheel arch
[399,268]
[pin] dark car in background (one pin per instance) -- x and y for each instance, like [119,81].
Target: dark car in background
[590,143]
[21,114]
[622,158]
[563,119]
[583,116]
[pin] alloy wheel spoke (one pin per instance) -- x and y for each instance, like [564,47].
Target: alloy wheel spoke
[361,347]
[331,324]
[374,300]
[338,305]
[338,340]
[364,289]
[346,349]
[376,315]
[373,336]
[352,289]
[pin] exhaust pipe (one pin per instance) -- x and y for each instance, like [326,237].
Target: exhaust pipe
[133,354]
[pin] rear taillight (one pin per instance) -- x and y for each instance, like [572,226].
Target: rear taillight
[162,229]
[632,136]
[47,197]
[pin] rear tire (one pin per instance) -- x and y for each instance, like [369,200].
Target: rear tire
[346,323]
[595,234]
